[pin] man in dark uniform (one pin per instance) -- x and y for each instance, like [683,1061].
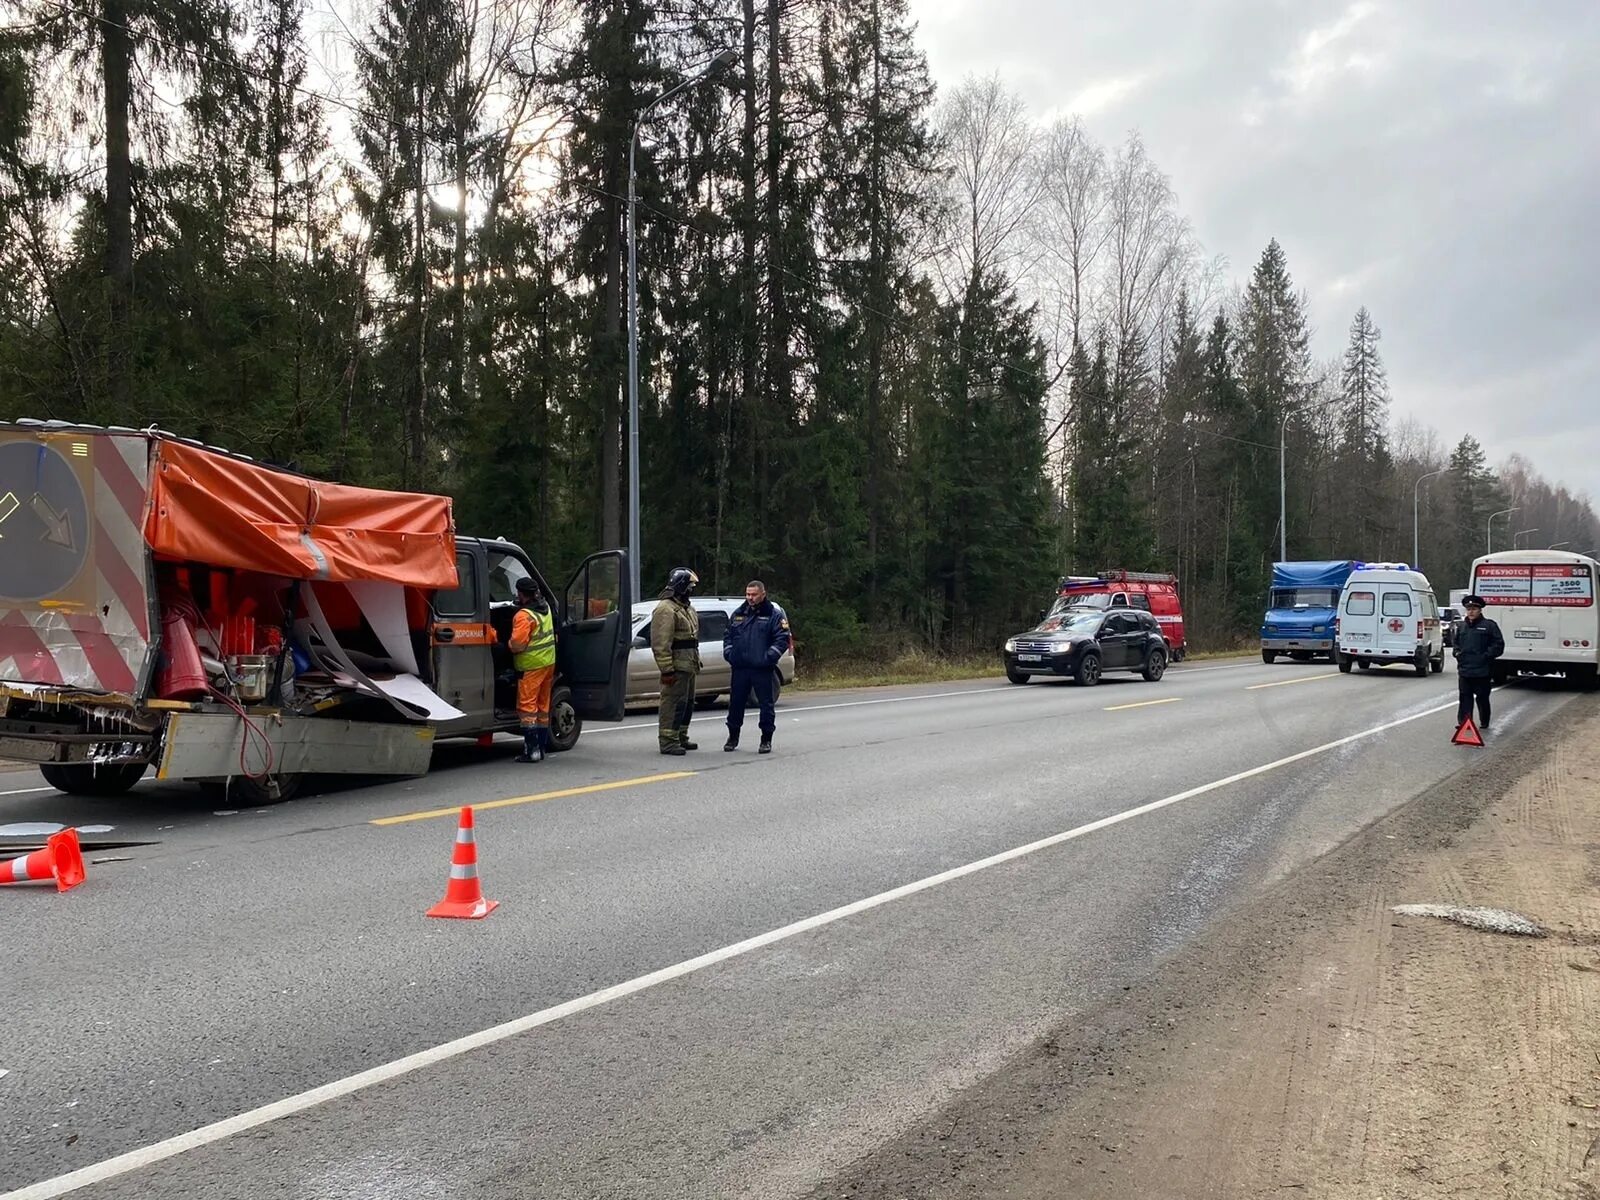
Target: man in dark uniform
[1478,642]
[758,635]
[675,642]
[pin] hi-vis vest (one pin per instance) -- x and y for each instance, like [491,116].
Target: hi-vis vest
[541,651]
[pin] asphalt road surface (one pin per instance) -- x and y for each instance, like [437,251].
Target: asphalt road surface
[719,975]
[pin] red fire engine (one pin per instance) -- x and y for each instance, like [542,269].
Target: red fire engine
[1155,592]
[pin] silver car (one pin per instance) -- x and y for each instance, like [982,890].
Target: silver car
[644,677]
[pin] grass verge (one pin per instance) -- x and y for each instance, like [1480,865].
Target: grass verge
[909,667]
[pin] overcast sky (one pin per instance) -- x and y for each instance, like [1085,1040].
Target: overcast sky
[1437,162]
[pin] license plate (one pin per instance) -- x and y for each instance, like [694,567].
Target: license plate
[1358,637]
[1030,658]
[1529,633]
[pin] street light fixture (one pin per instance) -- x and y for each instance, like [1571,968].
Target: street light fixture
[1518,535]
[1557,545]
[719,64]
[1488,546]
[1416,539]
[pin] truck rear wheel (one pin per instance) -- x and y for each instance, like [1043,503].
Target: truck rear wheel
[1421,663]
[565,723]
[1344,664]
[245,792]
[92,779]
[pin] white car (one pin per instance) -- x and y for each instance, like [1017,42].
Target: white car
[644,677]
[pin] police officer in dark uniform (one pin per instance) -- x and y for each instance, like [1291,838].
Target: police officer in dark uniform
[1478,642]
[758,635]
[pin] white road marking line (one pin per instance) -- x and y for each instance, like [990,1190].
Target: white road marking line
[1256,687]
[218,1131]
[28,791]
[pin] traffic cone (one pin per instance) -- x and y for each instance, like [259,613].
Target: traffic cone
[463,897]
[61,860]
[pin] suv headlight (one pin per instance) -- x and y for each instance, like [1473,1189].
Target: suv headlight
[1011,645]
[1319,629]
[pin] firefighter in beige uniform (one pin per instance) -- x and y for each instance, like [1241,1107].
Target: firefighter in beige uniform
[675,642]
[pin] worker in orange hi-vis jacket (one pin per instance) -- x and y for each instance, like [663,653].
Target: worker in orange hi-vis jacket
[533,654]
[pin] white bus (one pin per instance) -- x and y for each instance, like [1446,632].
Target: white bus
[1543,601]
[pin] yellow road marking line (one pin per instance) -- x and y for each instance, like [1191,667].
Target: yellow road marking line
[1144,704]
[455,809]
[1256,687]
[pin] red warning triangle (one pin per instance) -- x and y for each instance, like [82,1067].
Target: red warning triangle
[1467,735]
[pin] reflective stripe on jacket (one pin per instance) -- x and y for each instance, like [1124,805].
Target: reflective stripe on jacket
[533,640]
[675,636]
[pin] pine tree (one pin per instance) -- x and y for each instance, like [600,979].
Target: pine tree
[875,94]
[1362,456]
[405,69]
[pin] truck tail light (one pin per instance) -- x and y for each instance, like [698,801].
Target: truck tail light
[1421,625]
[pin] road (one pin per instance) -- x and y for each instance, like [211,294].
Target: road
[712,976]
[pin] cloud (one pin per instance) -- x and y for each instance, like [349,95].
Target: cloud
[1103,94]
[1434,160]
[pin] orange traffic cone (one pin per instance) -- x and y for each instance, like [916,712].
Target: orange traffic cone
[463,897]
[60,860]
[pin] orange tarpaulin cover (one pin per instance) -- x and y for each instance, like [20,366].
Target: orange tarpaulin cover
[209,508]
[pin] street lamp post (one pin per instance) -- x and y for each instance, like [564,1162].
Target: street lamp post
[1283,490]
[1416,537]
[1557,545]
[723,60]
[1519,534]
[1488,545]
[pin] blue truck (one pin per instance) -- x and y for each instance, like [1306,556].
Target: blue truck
[1301,609]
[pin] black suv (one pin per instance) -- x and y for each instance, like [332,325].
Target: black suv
[1085,642]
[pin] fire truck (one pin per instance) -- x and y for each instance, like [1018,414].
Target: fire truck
[1155,592]
[166,605]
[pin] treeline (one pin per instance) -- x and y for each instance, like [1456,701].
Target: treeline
[909,358]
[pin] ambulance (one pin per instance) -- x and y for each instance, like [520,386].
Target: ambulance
[1543,601]
[1153,591]
[1388,614]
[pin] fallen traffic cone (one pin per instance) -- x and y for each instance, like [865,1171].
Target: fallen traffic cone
[60,860]
[464,896]
[1467,735]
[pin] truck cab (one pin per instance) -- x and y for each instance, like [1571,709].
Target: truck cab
[470,627]
[1301,609]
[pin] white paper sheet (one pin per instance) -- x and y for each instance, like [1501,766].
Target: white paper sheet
[384,606]
[411,691]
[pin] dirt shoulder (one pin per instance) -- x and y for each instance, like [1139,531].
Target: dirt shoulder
[1320,1045]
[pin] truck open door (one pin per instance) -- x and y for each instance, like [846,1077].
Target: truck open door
[593,644]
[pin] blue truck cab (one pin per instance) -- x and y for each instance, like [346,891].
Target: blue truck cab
[1302,608]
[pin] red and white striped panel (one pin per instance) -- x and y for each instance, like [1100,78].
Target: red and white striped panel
[100,638]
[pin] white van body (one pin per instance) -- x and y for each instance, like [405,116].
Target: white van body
[1388,614]
[1544,603]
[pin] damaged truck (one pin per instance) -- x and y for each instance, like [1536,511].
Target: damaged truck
[168,606]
